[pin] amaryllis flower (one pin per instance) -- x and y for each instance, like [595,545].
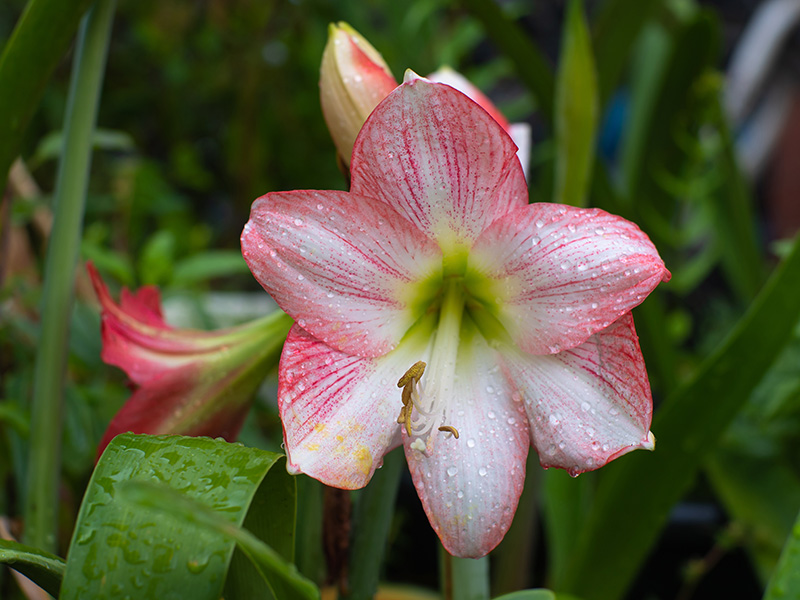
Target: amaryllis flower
[520,314]
[354,78]
[188,381]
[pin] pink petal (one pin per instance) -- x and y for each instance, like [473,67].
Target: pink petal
[347,268]
[470,486]
[456,80]
[560,274]
[439,159]
[182,402]
[587,405]
[136,338]
[339,412]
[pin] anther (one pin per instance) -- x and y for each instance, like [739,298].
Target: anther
[449,429]
[414,372]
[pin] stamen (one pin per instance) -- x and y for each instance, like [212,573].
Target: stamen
[414,372]
[449,429]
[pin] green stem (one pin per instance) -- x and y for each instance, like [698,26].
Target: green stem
[464,578]
[44,462]
[373,517]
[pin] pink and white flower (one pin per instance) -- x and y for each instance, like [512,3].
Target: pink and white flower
[521,313]
[187,381]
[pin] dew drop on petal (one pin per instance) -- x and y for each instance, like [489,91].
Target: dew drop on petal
[613,411]
[482,471]
[452,471]
[470,443]
[585,406]
[491,414]
[460,494]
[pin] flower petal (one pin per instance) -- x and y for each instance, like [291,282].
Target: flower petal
[347,268]
[470,485]
[439,159]
[588,405]
[136,338]
[182,402]
[339,412]
[558,274]
[456,80]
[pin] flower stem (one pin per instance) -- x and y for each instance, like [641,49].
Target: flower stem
[464,578]
[44,461]
[373,516]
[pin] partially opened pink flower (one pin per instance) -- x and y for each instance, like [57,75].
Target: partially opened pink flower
[520,312]
[188,381]
[354,78]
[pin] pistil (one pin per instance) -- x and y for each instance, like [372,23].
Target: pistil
[429,397]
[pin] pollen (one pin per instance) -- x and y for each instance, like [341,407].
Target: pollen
[414,373]
[449,429]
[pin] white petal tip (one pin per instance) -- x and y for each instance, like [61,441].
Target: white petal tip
[650,444]
[410,76]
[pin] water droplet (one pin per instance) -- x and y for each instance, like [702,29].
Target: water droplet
[585,406]
[298,221]
[482,471]
[613,411]
[553,420]
[489,389]
[452,471]
[300,278]
[491,414]
[539,223]
[551,449]
[470,443]
[511,420]
[460,494]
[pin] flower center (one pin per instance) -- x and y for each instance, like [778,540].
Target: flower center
[425,404]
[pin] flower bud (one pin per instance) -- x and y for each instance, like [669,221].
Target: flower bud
[353,79]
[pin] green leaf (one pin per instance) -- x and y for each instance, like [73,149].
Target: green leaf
[104,139]
[538,594]
[44,569]
[122,551]
[576,110]
[616,28]
[284,578]
[36,46]
[785,581]
[374,511]
[207,265]
[636,493]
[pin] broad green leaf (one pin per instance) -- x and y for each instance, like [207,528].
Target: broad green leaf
[785,581]
[119,551]
[44,569]
[284,578]
[636,492]
[36,46]
[576,110]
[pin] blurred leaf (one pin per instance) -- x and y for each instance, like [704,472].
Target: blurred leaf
[761,495]
[44,569]
[50,146]
[636,493]
[785,581]
[208,265]
[538,594]
[531,65]
[157,258]
[576,110]
[118,550]
[36,46]
[616,28]
[109,261]
[283,577]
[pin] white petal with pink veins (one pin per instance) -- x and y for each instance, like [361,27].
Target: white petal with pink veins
[589,404]
[470,485]
[339,412]
[345,267]
[438,158]
[554,275]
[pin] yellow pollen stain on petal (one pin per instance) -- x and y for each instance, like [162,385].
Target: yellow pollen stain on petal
[312,447]
[319,427]
[364,459]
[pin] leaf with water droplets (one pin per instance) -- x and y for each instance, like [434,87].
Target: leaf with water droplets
[120,550]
